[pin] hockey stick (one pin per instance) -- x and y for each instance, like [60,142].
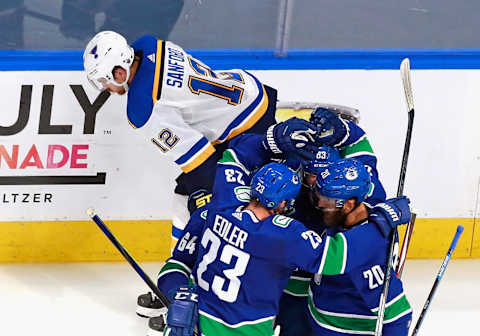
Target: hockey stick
[406,243]
[405,74]
[453,245]
[407,88]
[163,299]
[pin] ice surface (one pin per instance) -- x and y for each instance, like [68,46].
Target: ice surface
[100,299]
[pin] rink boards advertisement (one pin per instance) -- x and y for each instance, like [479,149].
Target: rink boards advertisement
[64,148]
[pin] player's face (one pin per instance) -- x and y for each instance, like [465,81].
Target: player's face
[332,215]
[119,76]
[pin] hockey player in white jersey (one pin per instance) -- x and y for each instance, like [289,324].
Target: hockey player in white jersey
[243,253]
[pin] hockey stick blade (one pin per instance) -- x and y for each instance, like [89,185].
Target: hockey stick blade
[407,84]
[439,277]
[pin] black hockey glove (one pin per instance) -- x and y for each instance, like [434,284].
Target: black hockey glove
[390,214]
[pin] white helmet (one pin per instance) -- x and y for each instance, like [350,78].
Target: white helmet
[103,53]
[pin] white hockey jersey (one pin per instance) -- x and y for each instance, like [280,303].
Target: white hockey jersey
[184,108]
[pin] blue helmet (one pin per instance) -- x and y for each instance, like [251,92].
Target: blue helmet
[342,180]
[274,183]
[324,156]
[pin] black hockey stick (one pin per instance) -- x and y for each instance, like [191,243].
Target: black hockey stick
[405,74]
[405,245]
[163,299]
[453,245]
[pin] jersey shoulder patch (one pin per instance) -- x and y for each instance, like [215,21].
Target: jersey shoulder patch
[282,221]
[242,193]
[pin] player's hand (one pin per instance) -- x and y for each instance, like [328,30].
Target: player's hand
[183,313]
[333,130]
[292,137]
[390,214]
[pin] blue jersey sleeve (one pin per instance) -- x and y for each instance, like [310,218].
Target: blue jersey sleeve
[176,271]
[250,151]
[336,253]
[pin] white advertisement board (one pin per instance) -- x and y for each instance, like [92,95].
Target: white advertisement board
[64,148]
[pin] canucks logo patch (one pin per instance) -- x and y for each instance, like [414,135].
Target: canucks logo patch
[281,221]
[351,174]
[242,193]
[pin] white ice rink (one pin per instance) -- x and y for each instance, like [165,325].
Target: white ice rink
[100,299]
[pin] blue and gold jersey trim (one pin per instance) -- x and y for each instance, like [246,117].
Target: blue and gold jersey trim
[158,77]
[248,117]
[199,152]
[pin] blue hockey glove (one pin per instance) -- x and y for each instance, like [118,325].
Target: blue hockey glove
[333,129]
[292,137]
[390,214]
[182,313]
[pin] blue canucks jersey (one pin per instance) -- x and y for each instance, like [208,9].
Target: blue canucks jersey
[348,302]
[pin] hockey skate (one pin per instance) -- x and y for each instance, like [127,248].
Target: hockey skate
[156,325]
[148,305]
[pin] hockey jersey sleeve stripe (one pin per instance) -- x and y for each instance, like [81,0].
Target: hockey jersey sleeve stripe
[196,155]
[174,266]
[324,255]
[248,117]
[395,308]
[158,78]
[297,286]
[212,325]
[336,258]
[362,147]
[229,157]
[344,323]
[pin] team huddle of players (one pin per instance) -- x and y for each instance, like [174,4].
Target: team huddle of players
[242,251]
[296,230]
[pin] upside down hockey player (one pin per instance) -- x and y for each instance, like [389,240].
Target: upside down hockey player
[243,253]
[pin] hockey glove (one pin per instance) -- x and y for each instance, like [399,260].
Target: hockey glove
[198,199]
[390,214]
[333,129]
[294,136]
[182,313]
